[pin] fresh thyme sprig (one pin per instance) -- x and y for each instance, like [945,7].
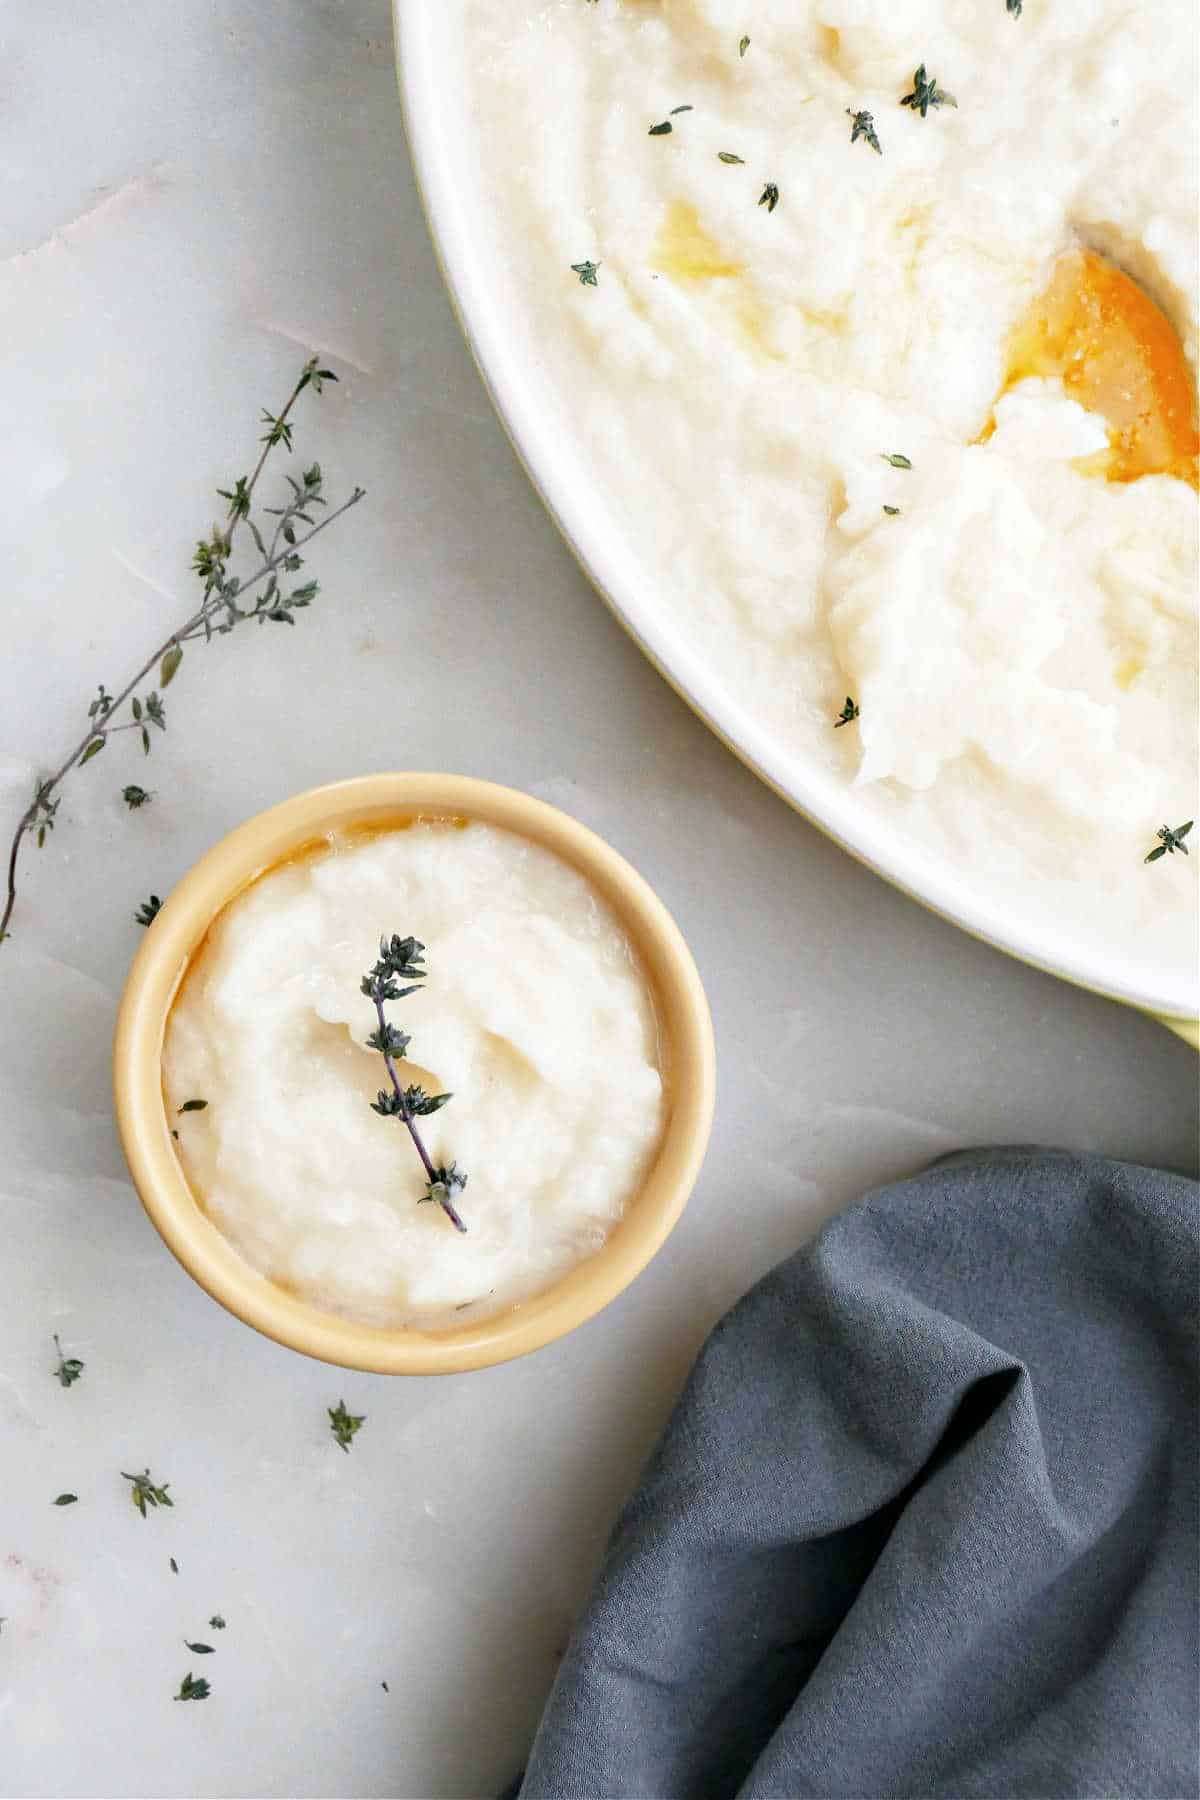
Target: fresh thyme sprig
[1171,840]
[221,608]
[847,715]
[403,960]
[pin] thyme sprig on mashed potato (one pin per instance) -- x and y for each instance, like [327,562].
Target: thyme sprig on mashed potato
[403,960]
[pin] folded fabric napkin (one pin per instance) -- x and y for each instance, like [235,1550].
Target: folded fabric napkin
[925,1519]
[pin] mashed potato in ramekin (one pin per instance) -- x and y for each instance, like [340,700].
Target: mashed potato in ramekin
[535,1015]
[885,353]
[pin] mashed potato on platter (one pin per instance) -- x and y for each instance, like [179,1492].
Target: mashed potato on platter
[878,320]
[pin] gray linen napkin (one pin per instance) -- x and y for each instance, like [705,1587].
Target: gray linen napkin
[925,1519]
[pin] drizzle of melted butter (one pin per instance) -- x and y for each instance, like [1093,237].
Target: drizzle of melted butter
[687,252]
[1116,353]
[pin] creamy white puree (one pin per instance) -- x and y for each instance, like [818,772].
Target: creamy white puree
[1021,637]
[535,1015]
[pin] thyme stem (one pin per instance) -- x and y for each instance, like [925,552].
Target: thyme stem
[185,633]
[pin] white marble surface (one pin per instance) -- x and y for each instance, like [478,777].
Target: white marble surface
[194,196]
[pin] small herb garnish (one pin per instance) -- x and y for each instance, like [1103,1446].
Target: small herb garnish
[135,797]
[385,1687]
[586,272]
[193,1106]
[727,156]
[769,197]
[679,109]
[927,93]
[146,1492]
[897,461]
[344,1424]
[199,1649]
[1014,7]
[69,1367]
[66,1500]
[193,1688]
[174,1565]
[848,713]
[217,1623]
[743,46]
[222,606]
[661,130]
[864,127]
[402,959]
[148,911]
[1171,841]
[891,511]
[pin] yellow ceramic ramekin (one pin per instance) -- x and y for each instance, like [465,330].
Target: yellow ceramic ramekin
[177,933]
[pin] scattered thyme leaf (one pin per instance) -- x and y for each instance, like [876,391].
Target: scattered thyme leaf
[891,511]
[66,1500]
[344,1424]
[193,1688]
[661,130]
[216,1623]
[385,1687]
[169,667]
[863,126]
[896,459]
[769,197]
[743,46]
[1171,840]
[135,797]
[679,109]
[146,1491]
[174,1565]
[848,713]
[586,272]
[92,749]
[69,1368]
[193,1106]
[199,1649]
[727,156]
[927,93]
[1014,8]
[148,911]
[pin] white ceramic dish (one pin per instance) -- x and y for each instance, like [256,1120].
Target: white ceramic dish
[432,87]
